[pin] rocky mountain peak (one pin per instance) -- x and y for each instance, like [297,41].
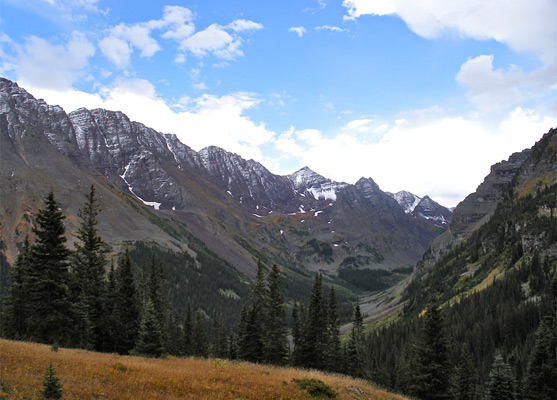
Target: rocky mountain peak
[408,201]
[310,183]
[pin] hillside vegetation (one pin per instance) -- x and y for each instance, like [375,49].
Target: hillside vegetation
[89,375]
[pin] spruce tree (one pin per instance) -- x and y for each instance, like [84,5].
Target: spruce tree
[334,351]
[199,337]
[315,340]
[298,332]
[431,380]
[187,339]
[541,376]
[150,341]
[354,349]
[252,331]
[275,325]
[50,318]
[52,388]
[500,384]
[17,307]
[125,314]
[464,379]
[89,259]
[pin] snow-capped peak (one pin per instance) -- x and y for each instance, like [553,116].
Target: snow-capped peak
[408,201]
[306,181]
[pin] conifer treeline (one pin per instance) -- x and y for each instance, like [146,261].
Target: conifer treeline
[65,297]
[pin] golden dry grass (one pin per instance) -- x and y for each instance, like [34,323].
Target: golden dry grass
[89,375]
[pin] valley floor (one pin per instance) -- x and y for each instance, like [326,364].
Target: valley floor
[89,375]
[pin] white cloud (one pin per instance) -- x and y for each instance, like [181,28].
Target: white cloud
[176,23]
[298,30]
[493,88]
[329,28]
[116,50]
[525,25]
[207,120]
[117,46]
[425,152]
[214,39]
[41,63]
[240,25]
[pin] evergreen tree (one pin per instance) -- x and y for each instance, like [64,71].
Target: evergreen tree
[199,337]
[89,260]
[298,331]
[252,332]
[149,342]
[500,384]
[125,312]
[17,307]
[315,340]
[50,318]
[109,301]
[275,337]
[187,340]
[464,379]
[354,349]
[431,380]
[334,351]
[541,376]
[52,388]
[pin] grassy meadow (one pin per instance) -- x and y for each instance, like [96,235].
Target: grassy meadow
[90,375]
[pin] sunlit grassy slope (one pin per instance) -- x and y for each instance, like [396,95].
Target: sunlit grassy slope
[88,375]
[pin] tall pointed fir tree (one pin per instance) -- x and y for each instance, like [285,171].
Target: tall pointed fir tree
[187,338]
[149,341]
[17,307]
[199,336]
[125,314]
[251,340]
[431,355]
[500,385]
[298,333]
[541,375]
[315,341]
[334,350]
[354,348]
[275,344]
[50,318]
[89,259]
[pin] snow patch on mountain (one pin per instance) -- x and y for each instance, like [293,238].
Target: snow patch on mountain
[306,181]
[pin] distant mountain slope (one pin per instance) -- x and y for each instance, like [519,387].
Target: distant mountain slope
[236,207]
[424,208]
[518,183]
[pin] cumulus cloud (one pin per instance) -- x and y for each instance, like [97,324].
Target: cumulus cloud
[298,30]
[520,23]
[493,88]
[177,25]
[214,39]
[41,63]
[240,25]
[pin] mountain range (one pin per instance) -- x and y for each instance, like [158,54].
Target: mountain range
[152,185]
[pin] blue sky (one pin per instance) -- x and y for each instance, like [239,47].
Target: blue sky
[418,97]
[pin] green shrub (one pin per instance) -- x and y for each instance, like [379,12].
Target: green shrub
[316,388]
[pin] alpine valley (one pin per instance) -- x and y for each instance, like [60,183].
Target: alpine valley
[158,191]
[450,298]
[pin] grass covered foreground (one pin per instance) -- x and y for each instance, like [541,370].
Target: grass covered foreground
[89,375]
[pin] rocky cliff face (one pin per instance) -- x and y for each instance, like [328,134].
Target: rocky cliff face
[424,208]
[527,171]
